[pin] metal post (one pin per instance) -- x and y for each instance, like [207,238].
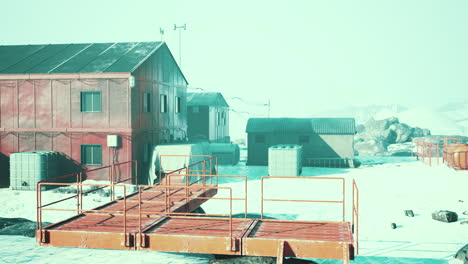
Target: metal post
[125,214]
[139,215]
[136,172]
[245,198]
[230,219]
[344,199]
[184,27]
[204,172]
[261,199]
[187,190]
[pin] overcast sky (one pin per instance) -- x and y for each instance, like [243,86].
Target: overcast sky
[304,56]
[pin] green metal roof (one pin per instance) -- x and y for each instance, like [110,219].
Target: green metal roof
[75,58]
[334,126]
[206,99]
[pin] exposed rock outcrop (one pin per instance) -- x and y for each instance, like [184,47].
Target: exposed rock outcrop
[18,227]
[445,216]
[462,254]
[375,136]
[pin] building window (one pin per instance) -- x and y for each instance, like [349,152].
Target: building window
[303,139]
[91,101]
[163,103]
[146,102]
[259,138]
[177,104]
[196,109]
[224,117]
[91,155]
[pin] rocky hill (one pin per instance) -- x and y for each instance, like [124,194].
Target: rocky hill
[378,137]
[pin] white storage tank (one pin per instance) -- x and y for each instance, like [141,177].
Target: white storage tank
[285,160]
[28,168]
[227,153]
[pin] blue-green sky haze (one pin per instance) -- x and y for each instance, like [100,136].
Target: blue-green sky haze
[305,56]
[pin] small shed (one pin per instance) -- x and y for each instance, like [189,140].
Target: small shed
[324,141]
[207,117]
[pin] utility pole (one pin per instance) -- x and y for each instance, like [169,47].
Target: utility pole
[184,27]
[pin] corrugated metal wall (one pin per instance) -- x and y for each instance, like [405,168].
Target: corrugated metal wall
[45,114]
[319,146]
[48,104]
[160,75]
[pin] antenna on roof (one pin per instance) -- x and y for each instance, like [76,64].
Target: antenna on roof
[161,32]
[184,27]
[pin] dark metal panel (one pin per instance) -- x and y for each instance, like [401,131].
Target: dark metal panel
[208,99]
[108,57]
[74,58]
[81,59]
[129,60]
[26,64]
[334,126]
[10,55]
[58,59]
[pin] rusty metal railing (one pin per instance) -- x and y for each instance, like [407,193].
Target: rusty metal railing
[79,189]
[203,183]
[342,201]
[355,216]
[79,210]
[427,149]
[210,162]
[168,212]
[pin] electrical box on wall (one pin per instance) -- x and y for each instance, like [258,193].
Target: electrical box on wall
[113,141]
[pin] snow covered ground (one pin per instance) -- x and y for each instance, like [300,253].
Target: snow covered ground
[387,187]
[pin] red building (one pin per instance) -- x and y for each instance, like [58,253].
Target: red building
[70,97]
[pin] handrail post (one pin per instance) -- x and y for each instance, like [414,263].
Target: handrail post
[245,198]
[160,169]
[80,193]
[233,245]
[39,210]
[344,198]
[139,216]
[136,172]
[166,192]
[261,198]
[204,172]
[112,182]
[187,190]
[77,194]
[125,215]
